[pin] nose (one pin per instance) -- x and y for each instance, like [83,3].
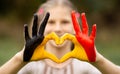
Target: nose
[58,29]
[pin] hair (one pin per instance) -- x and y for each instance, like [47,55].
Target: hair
[53,3]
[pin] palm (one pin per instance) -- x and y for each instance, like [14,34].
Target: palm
[83,38]
[36,39]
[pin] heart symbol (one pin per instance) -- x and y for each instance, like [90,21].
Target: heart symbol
[78,51]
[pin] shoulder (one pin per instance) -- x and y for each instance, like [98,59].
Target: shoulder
[84,67]
[32,67]
[82,64]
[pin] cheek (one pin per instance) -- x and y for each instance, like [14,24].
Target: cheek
[48,30]
[69,29]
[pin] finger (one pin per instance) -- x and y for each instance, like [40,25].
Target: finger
[66,57]
[27,37]
[75,23]
[35,24]
[43,24]
[84,24]
[48,55]
[93,33]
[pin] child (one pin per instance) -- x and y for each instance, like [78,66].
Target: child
[59,22]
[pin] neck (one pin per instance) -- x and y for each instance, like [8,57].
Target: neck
[56,65]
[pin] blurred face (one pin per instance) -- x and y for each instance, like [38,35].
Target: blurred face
[59,22]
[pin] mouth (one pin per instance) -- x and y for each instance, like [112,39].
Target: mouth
[60,35]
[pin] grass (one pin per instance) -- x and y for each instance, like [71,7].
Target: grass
[111,54]
[8,48]
[110,49]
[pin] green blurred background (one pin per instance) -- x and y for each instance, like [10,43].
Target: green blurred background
[105,13]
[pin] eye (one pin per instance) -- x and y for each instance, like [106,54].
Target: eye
[65,22]
[51,22]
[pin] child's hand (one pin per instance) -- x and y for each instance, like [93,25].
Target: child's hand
[83,37]
[37,38]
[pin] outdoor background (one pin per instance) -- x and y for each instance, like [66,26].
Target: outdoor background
[105,13]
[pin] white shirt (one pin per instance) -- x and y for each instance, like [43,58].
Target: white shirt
[72,66]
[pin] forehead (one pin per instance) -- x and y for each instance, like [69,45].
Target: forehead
[59,11]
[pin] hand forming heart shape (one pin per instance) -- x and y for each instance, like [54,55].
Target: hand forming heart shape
[78,51]
[84,45]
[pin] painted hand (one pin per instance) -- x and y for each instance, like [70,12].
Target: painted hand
[84,48]
[59,40]
[83,37]
[32,44]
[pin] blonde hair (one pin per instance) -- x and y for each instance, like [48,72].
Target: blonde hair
[53,3]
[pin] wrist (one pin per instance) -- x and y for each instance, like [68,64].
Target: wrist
[99,59]
[19,57]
